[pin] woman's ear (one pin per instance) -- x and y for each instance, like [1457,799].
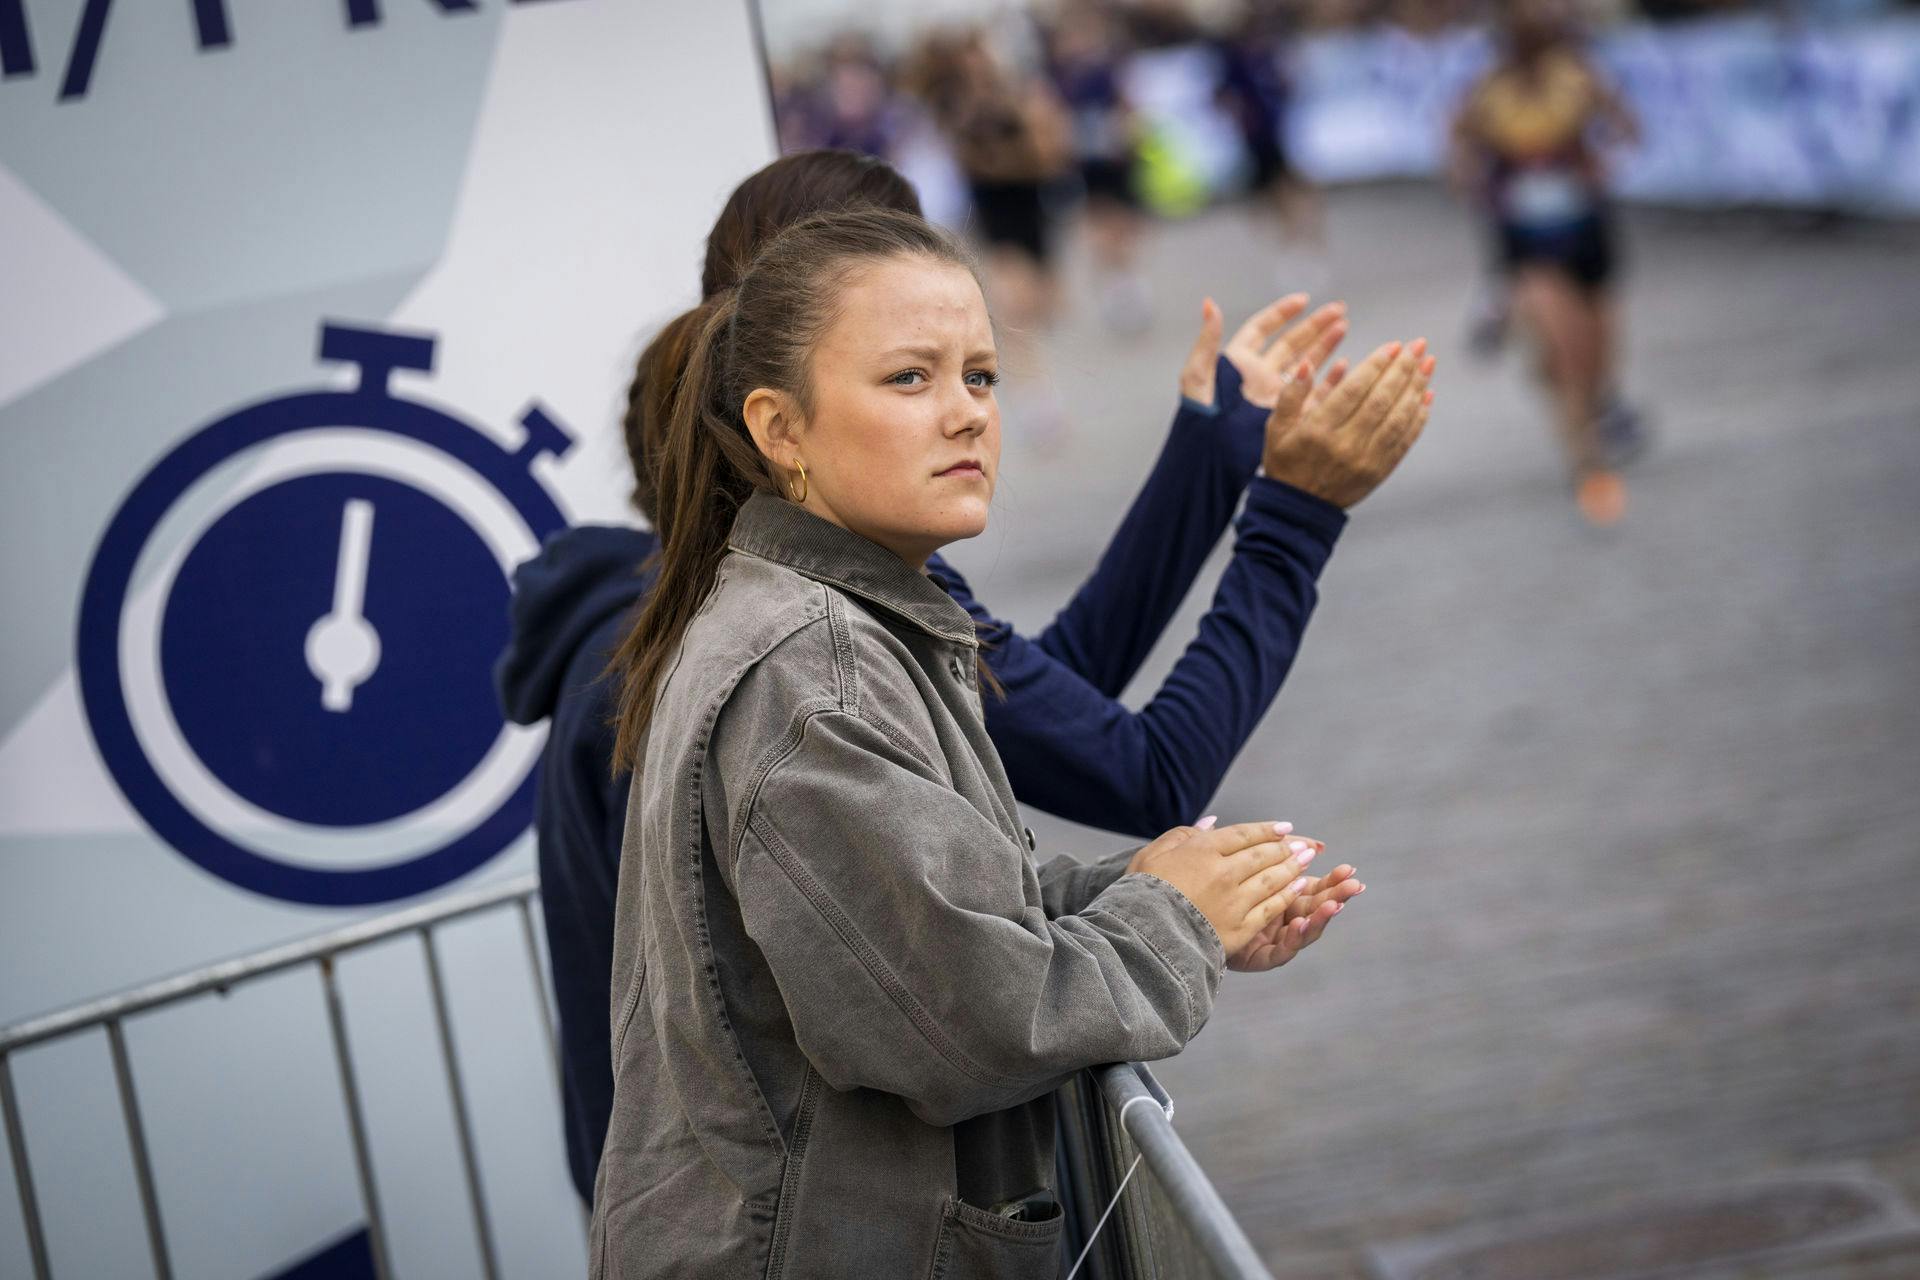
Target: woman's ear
[774,425]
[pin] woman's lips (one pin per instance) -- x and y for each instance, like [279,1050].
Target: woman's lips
[962,469]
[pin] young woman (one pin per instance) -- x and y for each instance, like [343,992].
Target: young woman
[1068,744]
[842,991]
[1523,149]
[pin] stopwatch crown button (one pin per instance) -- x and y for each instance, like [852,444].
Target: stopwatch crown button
[544,435]
[378,352]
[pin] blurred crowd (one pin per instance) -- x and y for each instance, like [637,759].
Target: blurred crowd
[1011,123]
[1192,102]
[1117,110]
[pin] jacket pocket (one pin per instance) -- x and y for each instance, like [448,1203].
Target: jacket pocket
[790,1172]
[977,1245]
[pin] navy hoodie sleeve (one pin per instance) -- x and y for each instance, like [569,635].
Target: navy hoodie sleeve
[1113,621]
[581,815]
[1073,750]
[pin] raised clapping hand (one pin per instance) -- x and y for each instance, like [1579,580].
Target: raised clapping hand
[1247,879]
[1263,349]
[1339,439]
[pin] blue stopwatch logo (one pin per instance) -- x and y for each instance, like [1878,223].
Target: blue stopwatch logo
[287,637]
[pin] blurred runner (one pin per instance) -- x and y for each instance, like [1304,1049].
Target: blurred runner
[1523,150]
[856,109]
[1253,91]
[1187,147]
[1012,139]
[1085,52]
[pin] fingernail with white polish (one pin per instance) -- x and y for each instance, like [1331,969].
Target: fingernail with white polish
[1282,828]
[1297,885]
[1206,823]
[1299,846]
[1307,857]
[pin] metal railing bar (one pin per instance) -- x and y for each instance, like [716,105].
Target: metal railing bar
[230,973]
[540,985]
[1155,1090]
[23,1173]
[356,1123]
[463,1127]
[137,1144]
[1204,1215]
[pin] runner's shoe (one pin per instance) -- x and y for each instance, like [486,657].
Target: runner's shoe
[1623,432]
[1601,496]
[1487,318]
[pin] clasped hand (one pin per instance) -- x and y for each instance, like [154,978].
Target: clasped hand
[1248,881]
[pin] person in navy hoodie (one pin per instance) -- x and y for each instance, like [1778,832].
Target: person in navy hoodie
[1069,746]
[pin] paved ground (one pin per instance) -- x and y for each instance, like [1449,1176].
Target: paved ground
[1637,813]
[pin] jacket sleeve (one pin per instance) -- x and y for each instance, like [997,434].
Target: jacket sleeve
[1076,751]
[1067,884]
[910,943]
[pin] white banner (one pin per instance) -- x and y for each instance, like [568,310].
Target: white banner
[314,319]
[1734,110]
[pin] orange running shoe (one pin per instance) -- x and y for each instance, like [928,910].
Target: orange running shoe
[1602,497]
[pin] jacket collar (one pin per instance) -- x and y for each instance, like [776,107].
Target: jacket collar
[774,529]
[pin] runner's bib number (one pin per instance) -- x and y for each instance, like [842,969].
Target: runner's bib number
[1547,198]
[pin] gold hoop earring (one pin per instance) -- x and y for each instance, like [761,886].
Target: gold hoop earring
[802,495]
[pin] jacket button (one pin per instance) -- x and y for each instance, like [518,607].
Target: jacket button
[953,665]
[1033,845]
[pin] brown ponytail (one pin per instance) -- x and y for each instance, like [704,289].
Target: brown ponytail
[773,198]
[760,334]
[706,467]
[656,379]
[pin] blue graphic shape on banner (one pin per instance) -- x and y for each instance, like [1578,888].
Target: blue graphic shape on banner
[287,635]
[348,1258]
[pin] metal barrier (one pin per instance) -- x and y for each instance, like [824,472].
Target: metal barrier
[1138,1205]
[320,951]
[1115,1122]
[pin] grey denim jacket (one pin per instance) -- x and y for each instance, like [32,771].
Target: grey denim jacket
[843,993]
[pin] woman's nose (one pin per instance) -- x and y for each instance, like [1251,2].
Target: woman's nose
[970,415]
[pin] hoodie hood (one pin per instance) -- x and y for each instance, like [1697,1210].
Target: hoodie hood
[583,578]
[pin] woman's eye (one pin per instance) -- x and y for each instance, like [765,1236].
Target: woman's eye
[983,378]
[905,376]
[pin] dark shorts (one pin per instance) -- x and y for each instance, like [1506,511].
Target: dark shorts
[1108,180]
[1012,215]
[1270,162]
[1583,250]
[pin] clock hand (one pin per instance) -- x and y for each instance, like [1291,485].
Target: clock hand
[343,649]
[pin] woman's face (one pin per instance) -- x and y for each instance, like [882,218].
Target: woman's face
[903,442]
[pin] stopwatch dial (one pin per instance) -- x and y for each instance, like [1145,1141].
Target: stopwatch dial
[328,649]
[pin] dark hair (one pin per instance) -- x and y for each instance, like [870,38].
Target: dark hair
[760,333]
[782,193]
